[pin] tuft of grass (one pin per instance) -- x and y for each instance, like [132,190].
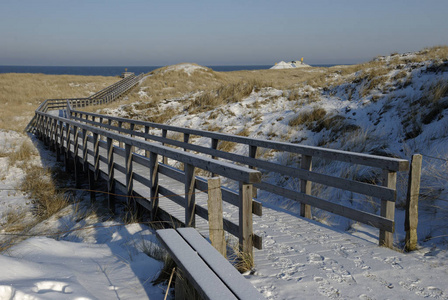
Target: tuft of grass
[308,118]
[41,188]
[24,153]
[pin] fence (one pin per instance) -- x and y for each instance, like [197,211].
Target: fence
[386,190]
[132,133]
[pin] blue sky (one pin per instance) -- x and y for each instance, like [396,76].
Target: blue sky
[155,32]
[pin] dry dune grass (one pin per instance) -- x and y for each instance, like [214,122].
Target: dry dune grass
[21,94]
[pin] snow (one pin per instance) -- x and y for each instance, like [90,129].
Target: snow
[289,65]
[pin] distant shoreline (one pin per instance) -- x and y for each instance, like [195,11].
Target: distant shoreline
[117,70]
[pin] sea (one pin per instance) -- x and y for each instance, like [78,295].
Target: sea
[116,70]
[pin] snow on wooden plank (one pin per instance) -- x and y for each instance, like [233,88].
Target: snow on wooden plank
[241,287]
[205,281]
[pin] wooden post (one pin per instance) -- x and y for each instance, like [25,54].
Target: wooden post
[129,171]
[146,132]
[411,219]
[57,139]
[96,156]
[110,171]
[154,177]
[84,150]
[305,186]
[215,215]
[186,139]
[164,135]
[190,202]
[388,208]
[75,157]
[253,154]
[245,220]
[120,125]
[214,146]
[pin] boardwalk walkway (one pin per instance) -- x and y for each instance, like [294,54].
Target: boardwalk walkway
[304,259]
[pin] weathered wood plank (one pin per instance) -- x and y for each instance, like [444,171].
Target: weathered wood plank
[411,219]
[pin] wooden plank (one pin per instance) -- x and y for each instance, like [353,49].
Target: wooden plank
[154,187]
[190,201]
[215,215]
[111,174]
[305,186]
[411,219]
[239,285]
[204,280]
[386,238]
[356,215]
[245,220]
[392,164]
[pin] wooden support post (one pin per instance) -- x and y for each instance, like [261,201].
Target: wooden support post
[96,156]
[76,166]
[84,151]
[186,139]
[214,146]
[146,132]
[388,208]
[215,215]
[305,186]
[57,139]
[120,125]
[411,219]
[67,148]
[110,172]
[164,135]
[154,177]
[253,154]
[129,174]
[245,221]
[190,202]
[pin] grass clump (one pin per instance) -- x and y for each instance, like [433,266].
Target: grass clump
[308,118]
[39,184]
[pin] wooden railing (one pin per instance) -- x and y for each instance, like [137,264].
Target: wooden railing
[386,190]
[129,134]
[108,155]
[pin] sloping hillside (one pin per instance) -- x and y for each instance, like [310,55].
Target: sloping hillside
[394,105]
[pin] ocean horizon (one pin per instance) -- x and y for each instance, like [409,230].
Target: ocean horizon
[116,70]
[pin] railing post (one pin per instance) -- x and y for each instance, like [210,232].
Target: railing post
[411,219]
[67,147]
[215,215]
[154,177]
[57,141]
[186,139]
[96,156]
[146,132]
[214,146]
[388,208]
[129,175]
[305,186]
[245,221]
[164,135]
[75,157]
[110,172]
[84,150]
[120,125]
[190,202]
[253,154]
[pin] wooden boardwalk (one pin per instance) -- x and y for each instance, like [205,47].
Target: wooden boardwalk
[317,261]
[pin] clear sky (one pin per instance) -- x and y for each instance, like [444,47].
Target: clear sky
[230,32]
